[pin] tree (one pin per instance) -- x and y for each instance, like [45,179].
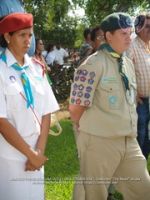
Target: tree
[97,10]
[52,23]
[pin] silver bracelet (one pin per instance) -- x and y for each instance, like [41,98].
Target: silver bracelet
[38,150]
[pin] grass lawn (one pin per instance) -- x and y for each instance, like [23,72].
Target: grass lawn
[62,167]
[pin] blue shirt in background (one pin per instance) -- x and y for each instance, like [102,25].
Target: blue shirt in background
[12,6]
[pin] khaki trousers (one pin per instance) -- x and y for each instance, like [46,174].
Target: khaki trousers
[118,161]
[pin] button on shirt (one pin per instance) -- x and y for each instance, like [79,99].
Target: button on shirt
[110,110]
[139,53]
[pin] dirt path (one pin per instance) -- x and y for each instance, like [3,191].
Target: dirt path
[63,113]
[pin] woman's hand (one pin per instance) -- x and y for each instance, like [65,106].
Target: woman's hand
[35,162]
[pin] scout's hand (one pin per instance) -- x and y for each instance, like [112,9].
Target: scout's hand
[139,101]
[37,159]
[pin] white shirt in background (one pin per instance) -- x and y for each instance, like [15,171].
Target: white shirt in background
[60,55]
[49,57]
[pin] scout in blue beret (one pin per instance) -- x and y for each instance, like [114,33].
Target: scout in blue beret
[103,109]
[120,22]
[116,21]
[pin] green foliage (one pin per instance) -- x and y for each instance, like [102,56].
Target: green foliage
[102,8]
[52,22]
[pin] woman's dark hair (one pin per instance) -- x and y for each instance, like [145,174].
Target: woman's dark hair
[93,32]
[3,42]
[37,41]
[49,47]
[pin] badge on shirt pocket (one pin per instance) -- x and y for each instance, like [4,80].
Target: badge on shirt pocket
[110,95]
[38,79]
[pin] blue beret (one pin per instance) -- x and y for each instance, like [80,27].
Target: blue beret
[116,21]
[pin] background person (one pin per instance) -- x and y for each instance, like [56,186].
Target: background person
[97,37]
[38,51]
[104,88]
[139,52]
[39,56]
[26,103]
[50,56]
[86,48]
[61,54]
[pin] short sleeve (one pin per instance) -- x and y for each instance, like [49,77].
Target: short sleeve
[85,82]
[3,110]
[50,102]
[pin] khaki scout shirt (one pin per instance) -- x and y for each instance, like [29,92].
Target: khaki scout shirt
[110,110]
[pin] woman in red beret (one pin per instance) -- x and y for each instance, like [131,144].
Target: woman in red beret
[26,103]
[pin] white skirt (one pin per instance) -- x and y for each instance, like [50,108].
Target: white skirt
[18,184]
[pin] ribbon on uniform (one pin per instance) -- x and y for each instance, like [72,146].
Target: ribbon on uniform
[120,60]
[24,79]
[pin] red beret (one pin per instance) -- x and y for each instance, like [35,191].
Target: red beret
[15,21]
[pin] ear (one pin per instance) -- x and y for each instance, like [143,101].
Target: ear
[7,37]
[93,44]
[108,35]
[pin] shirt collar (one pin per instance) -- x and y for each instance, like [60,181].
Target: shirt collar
[11,59]
[141,43]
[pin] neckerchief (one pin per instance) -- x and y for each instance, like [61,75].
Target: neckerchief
[24,79]
[120,60]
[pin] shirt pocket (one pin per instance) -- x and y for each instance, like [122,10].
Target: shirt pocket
[14,100]
[109,96]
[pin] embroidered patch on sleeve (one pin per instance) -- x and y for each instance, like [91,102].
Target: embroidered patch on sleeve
[80,94]
[78,101]
[74,93]
[72,100]
[90,81]
[76,78]
[88,89]
[83,79]
[86,102]
[75,86]
[92,74]
[80,87]
[87,95]
[79,72]
[84,72]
